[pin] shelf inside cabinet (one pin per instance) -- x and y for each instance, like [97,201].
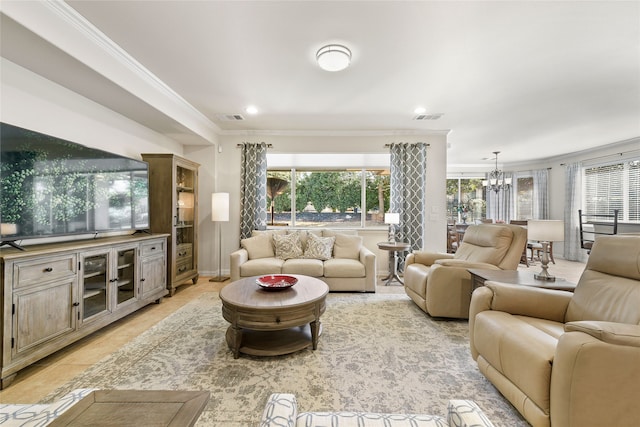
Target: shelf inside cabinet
[123,266]
[91,274]
[88,293]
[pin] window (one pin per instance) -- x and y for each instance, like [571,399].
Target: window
[465,199]
[309,198]
[613,186]
[524,198]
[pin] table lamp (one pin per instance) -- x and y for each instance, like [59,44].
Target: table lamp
[219,213]
[545,231]
[392,219]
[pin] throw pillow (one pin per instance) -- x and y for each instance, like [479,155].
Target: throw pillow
[347,246]
[287,246]
[319,247]
[259,246]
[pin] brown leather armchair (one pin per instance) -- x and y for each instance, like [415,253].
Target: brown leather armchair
[566,359]
[440,284]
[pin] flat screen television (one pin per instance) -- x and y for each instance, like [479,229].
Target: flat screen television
[53,187]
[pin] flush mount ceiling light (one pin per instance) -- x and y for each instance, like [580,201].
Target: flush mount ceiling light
[333,57]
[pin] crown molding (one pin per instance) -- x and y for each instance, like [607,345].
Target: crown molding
[352,133]
[49,21]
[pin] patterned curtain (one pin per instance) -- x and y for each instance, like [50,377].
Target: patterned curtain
[572,195]
[253,189]
[408,186]
[541,194]
[500,204]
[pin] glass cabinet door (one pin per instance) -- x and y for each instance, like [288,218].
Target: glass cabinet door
[125,279]
[94,287]
[185,218]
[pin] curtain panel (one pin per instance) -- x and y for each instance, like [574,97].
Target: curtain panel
[501,204]
[408,186]
[572,202]
[541,194]
[253,188]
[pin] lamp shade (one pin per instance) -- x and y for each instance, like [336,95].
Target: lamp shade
[220,207]
[545,230]
[392,218]
[7,229]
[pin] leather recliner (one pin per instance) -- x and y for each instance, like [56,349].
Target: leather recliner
[567,359]
[440,284]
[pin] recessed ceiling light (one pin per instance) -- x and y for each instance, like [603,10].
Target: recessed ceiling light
[420,110]
[251,109]
[333,57]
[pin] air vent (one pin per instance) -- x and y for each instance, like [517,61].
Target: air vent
[230,117]
[427,117]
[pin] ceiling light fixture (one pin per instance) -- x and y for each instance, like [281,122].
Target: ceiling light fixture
[333,57]
[420,110]
[496,179]
[251,110]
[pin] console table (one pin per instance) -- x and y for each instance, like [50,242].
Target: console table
[516,277]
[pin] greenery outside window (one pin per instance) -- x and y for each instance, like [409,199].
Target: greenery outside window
[465,200]
[524,198]
[322,198]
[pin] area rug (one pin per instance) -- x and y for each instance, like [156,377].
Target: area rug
[377,353]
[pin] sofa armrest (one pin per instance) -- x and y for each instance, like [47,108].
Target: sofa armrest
[463,263]
[548,304]
[426,258]
[516,299]
[464,413]
[281,410]
[368,258]
[594,375]
[237,258]
[608,332]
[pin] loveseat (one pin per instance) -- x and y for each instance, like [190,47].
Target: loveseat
[281,410]
[440,283]
[337,258]
[567,359]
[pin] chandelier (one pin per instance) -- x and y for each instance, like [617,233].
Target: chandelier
[496,180]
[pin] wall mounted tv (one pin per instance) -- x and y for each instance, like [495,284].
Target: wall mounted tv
[52,187]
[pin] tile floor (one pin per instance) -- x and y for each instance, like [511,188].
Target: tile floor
[36,381]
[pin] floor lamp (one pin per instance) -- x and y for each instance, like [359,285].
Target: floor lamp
[219,213]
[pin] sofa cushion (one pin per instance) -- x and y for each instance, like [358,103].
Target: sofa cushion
[304,236]
[308,267]
[343,267]
[319,247]
[259,246]
[511,343]
[347,246]
[287,246]
[261,266]
[485,244]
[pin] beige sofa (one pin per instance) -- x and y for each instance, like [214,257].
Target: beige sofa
[440,283]
[337,258]
[281,410]
[563,359]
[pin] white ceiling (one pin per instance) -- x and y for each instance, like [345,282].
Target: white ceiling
[532,79]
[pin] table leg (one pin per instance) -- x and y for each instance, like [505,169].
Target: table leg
[236,340]
[315,329]
[393,269]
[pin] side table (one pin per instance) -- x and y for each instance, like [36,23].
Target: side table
[516,277]
[393,248]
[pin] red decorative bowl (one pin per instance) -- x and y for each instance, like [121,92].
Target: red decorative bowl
[274,282]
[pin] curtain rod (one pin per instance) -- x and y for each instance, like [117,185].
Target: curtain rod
[605,156]
[389,145]
[241,145]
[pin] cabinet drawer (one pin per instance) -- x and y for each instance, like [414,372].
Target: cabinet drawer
[152,248]
[36,272]
[184,251]
[184,265]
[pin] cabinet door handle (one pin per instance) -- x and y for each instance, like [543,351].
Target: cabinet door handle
[153,248]
[48,269]
[143,279]
[113,280]
[76,304]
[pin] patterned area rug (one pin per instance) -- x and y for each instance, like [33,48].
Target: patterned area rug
[377,353]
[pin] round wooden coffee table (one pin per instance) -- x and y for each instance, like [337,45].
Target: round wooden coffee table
[273,322]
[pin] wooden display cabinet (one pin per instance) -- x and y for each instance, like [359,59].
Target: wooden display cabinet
[173,201]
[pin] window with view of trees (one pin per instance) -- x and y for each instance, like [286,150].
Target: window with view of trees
[524,198]
[327,198]
[465,200]
[613,186]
